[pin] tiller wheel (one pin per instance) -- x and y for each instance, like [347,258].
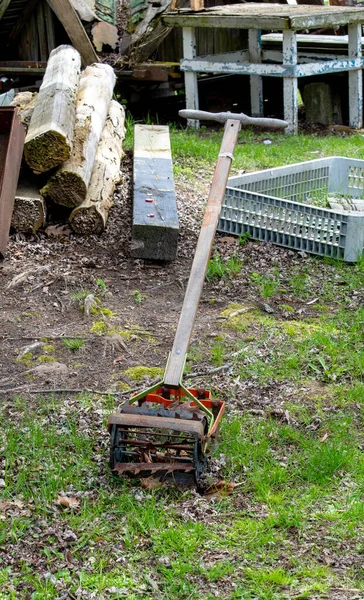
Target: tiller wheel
[165,430]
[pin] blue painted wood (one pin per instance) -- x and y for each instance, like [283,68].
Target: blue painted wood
[155,219]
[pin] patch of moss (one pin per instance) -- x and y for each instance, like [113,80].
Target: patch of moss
[26,359]
[122,387]
[139,373]
[243,320]
[101,310]
[99,327]
[45,358]
[32,314]
[300,330]
[48,348]
[286,307]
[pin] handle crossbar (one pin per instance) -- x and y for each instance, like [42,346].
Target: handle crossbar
[222,117]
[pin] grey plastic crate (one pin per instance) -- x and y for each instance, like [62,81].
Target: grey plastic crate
[274,206]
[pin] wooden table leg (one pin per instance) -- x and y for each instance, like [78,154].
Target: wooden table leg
[290,86]
[256,82]
[191,87]
[355,79]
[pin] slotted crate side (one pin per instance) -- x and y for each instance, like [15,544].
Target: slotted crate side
[347,177]
[292,225]
[299,181]
[274,205]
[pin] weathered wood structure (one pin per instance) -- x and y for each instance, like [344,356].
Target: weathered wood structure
[155,219]
[286,63]
[68,186]
[50,135]
[12,136]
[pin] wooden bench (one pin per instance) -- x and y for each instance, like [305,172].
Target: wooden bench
[288,63]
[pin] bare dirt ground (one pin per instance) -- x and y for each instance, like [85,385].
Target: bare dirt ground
[43,273]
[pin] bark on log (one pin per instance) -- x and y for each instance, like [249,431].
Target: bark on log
[50,134]
[91,216]
[68,186]
[29,212]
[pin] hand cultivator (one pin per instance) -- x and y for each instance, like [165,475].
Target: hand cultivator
[165,430]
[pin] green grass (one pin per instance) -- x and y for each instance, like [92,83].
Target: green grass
[219,268]
[294,528]
[73,344]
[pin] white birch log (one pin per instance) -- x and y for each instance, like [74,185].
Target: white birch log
[50,134]
[68,186]
[91,216]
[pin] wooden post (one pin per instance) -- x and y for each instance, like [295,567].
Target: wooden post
[191,86]
[74,28]
[290,86]
[68,186]
[256,82]
[50,134]
[355,79]
[91,216]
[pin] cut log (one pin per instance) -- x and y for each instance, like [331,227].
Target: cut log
[91,215]
[69,184]
[50,134]
[29,212]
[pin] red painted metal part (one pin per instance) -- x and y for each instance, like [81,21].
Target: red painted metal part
[12,136]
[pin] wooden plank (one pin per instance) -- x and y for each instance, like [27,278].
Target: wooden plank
[330,66]
[290,84]
[43,49]
[355,79]
[216,21]
[256,82]
[206,66]
[3,7]
[12,135]
[22,21]
[191,84]
[265,16]
[49,22]
[75,30]
[197,4]
[24,67]
[155,220]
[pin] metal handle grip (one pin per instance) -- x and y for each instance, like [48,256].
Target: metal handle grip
[222,117]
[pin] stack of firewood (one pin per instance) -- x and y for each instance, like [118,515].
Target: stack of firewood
[73,144]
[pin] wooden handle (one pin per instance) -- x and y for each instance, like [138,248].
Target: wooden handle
[222,117]
[174,370]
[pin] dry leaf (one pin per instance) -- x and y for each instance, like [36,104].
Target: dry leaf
[324,437]
[227,239]
[68,502]
[150,483]
[221,488]
[58,230]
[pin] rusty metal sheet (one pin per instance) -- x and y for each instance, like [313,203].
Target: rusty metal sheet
[12,136]
[129,420]
[151,467]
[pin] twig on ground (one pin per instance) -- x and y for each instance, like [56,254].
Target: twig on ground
[211,371]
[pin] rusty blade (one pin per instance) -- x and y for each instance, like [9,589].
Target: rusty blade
[151,467]
[135,420]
